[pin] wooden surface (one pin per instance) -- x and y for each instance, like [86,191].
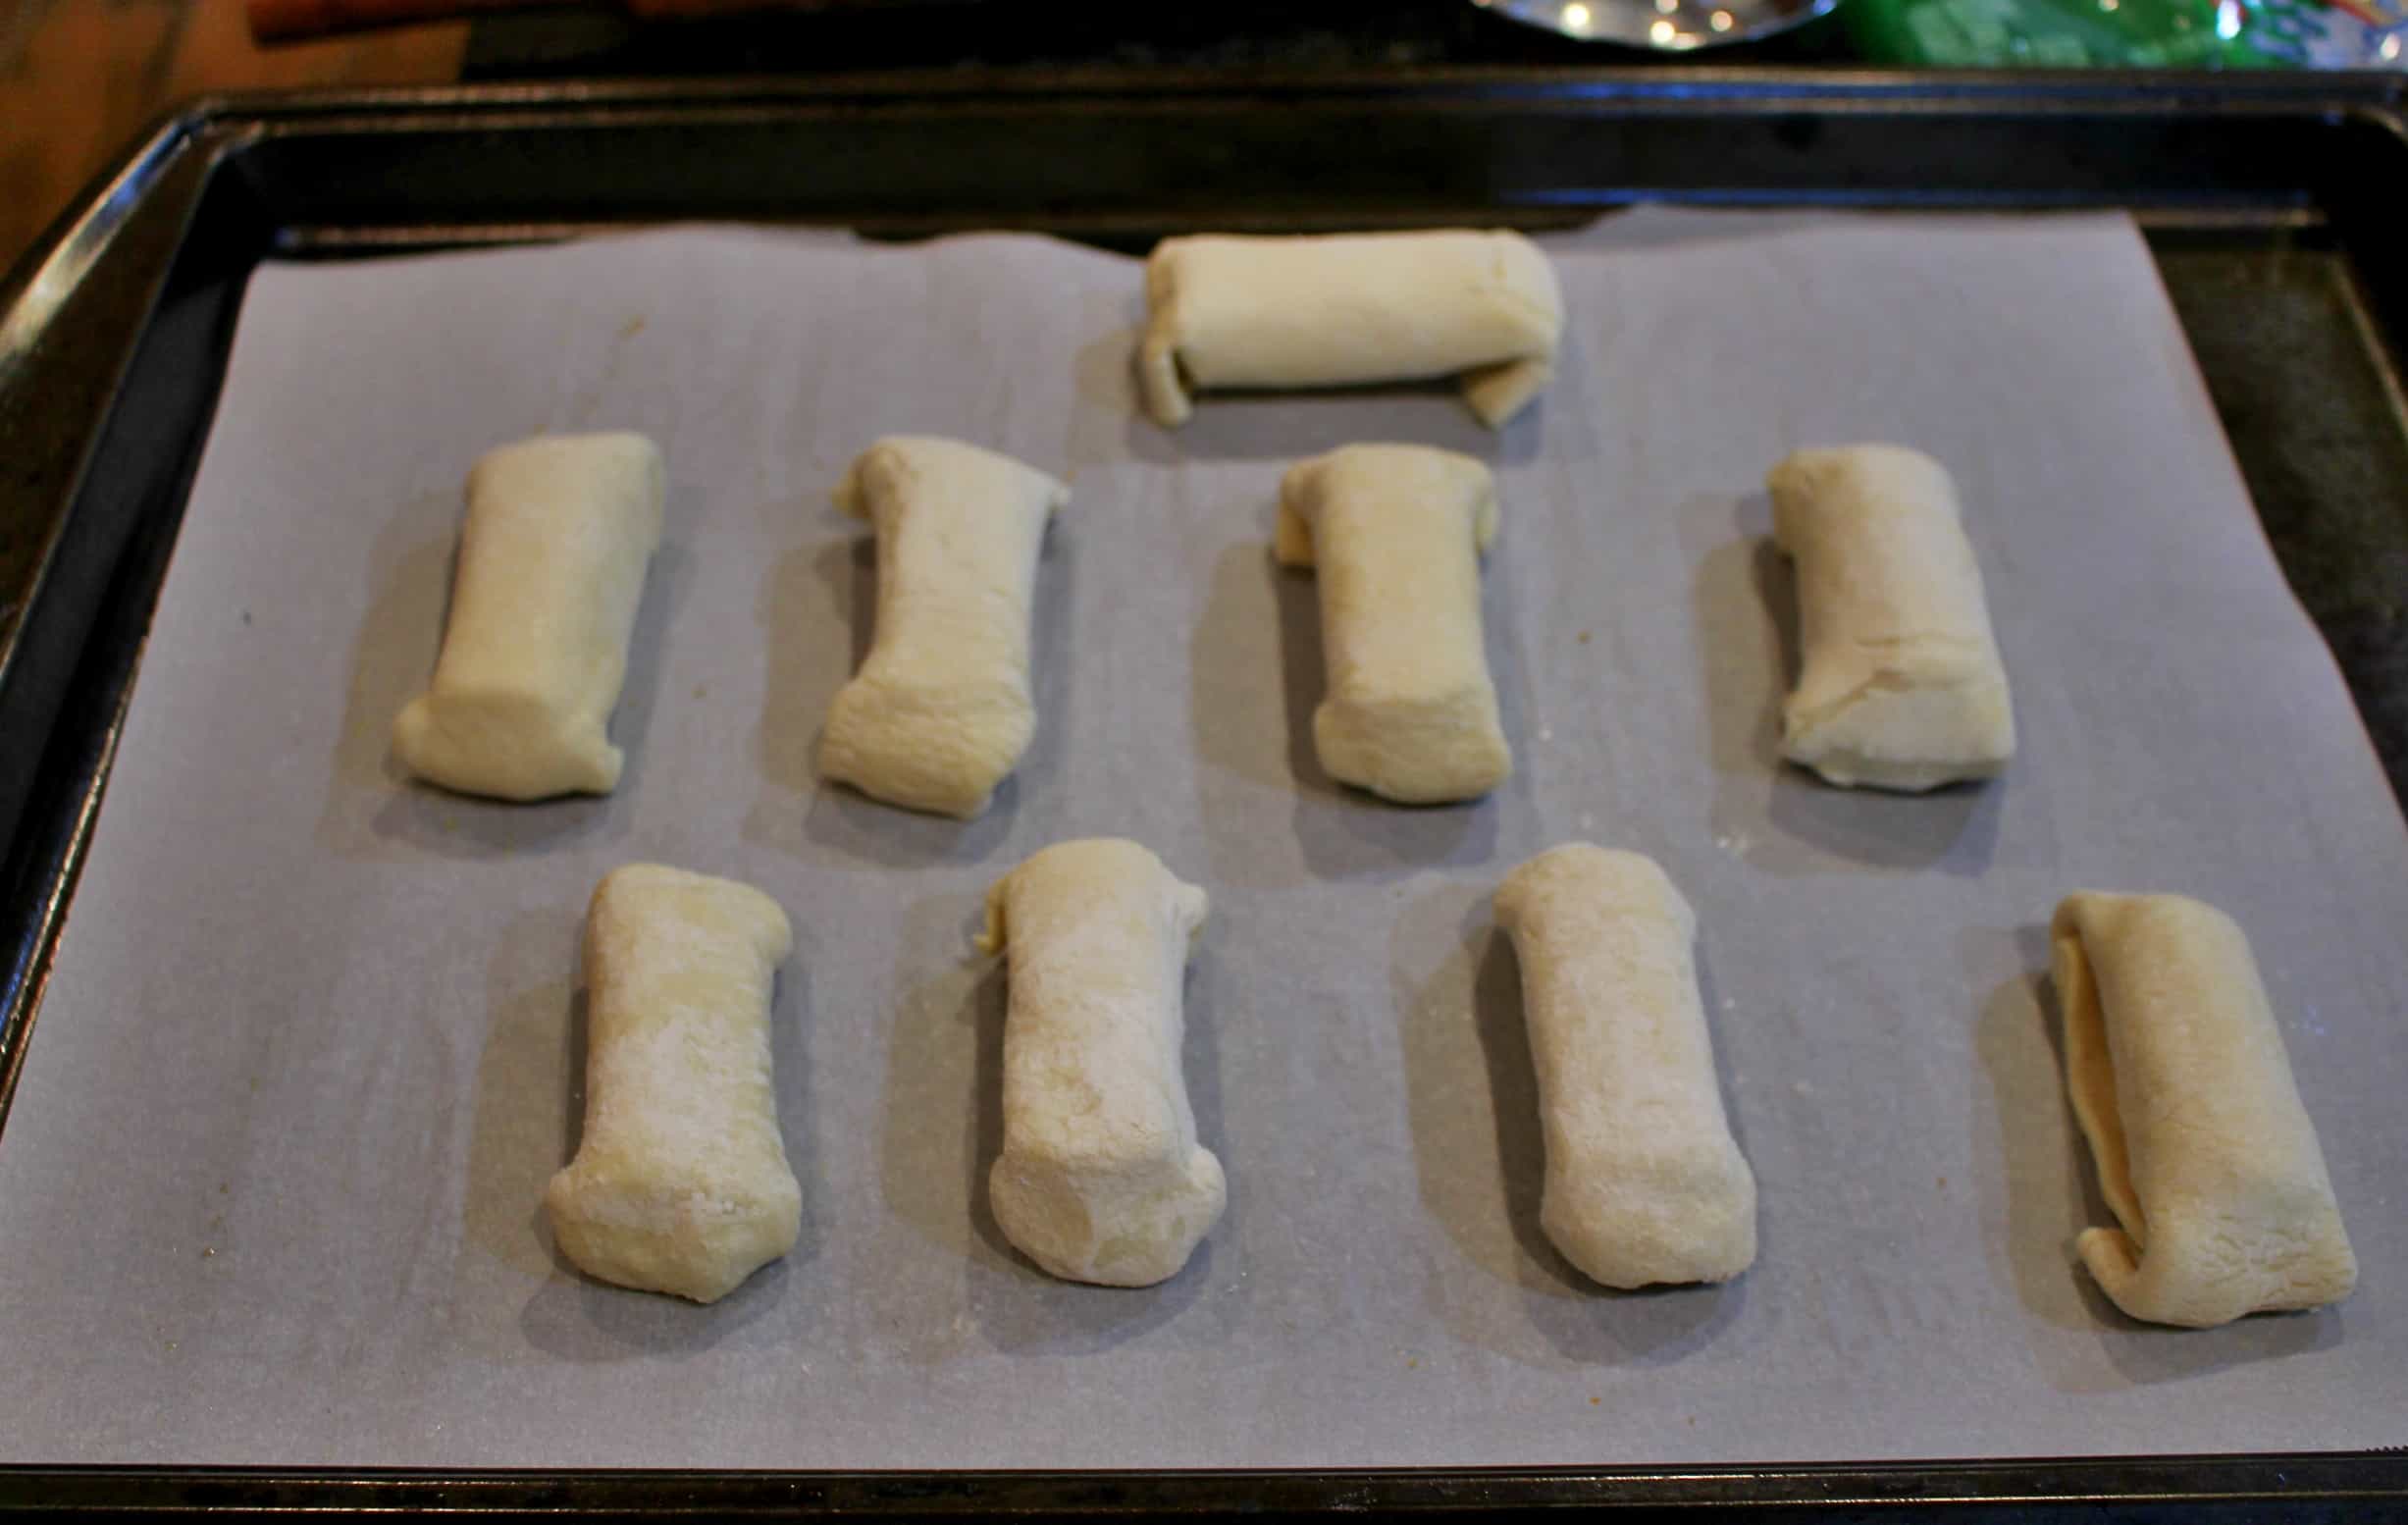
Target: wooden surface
[79,78]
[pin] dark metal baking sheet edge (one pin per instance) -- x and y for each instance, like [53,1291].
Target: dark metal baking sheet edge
[133,268]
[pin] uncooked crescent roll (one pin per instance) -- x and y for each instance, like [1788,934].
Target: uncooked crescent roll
[551,571]
[1901,685]
[1321,311]
[941,711]
[1101,1178]
[1643,1180]
[2181,1087]
[680,1183]
[1395,533]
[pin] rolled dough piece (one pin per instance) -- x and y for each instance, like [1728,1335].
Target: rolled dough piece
[941,711]
[680,1183]
[551,571]
[1643,1180]
[1901,686]
[1322,311]
[1101,1178]
[2180,1083]
[1397,531]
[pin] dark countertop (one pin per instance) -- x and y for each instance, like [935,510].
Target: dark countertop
[1234,36]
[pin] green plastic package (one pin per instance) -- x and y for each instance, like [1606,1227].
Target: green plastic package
[2131,33]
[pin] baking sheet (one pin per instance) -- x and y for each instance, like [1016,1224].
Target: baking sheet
[311,1046]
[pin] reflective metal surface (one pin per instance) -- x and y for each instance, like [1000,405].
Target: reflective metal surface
[1667,26]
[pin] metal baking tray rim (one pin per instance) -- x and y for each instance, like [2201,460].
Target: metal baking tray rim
[155,196]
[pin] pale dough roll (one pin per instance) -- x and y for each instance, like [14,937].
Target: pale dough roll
[1395,533]
[1101,1178]
[680,1183]
[941,709]
[1335,311]
[550,571]
[2180,1083]
[1643,1182]
[1899,684]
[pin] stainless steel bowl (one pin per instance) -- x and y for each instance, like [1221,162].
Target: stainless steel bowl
[1667,26]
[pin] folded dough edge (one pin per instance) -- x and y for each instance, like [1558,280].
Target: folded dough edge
[2180,1084]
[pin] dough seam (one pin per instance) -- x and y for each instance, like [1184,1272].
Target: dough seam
[1251,312]
[2184,1096]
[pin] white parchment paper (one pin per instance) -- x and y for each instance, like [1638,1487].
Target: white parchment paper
[271,1189]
